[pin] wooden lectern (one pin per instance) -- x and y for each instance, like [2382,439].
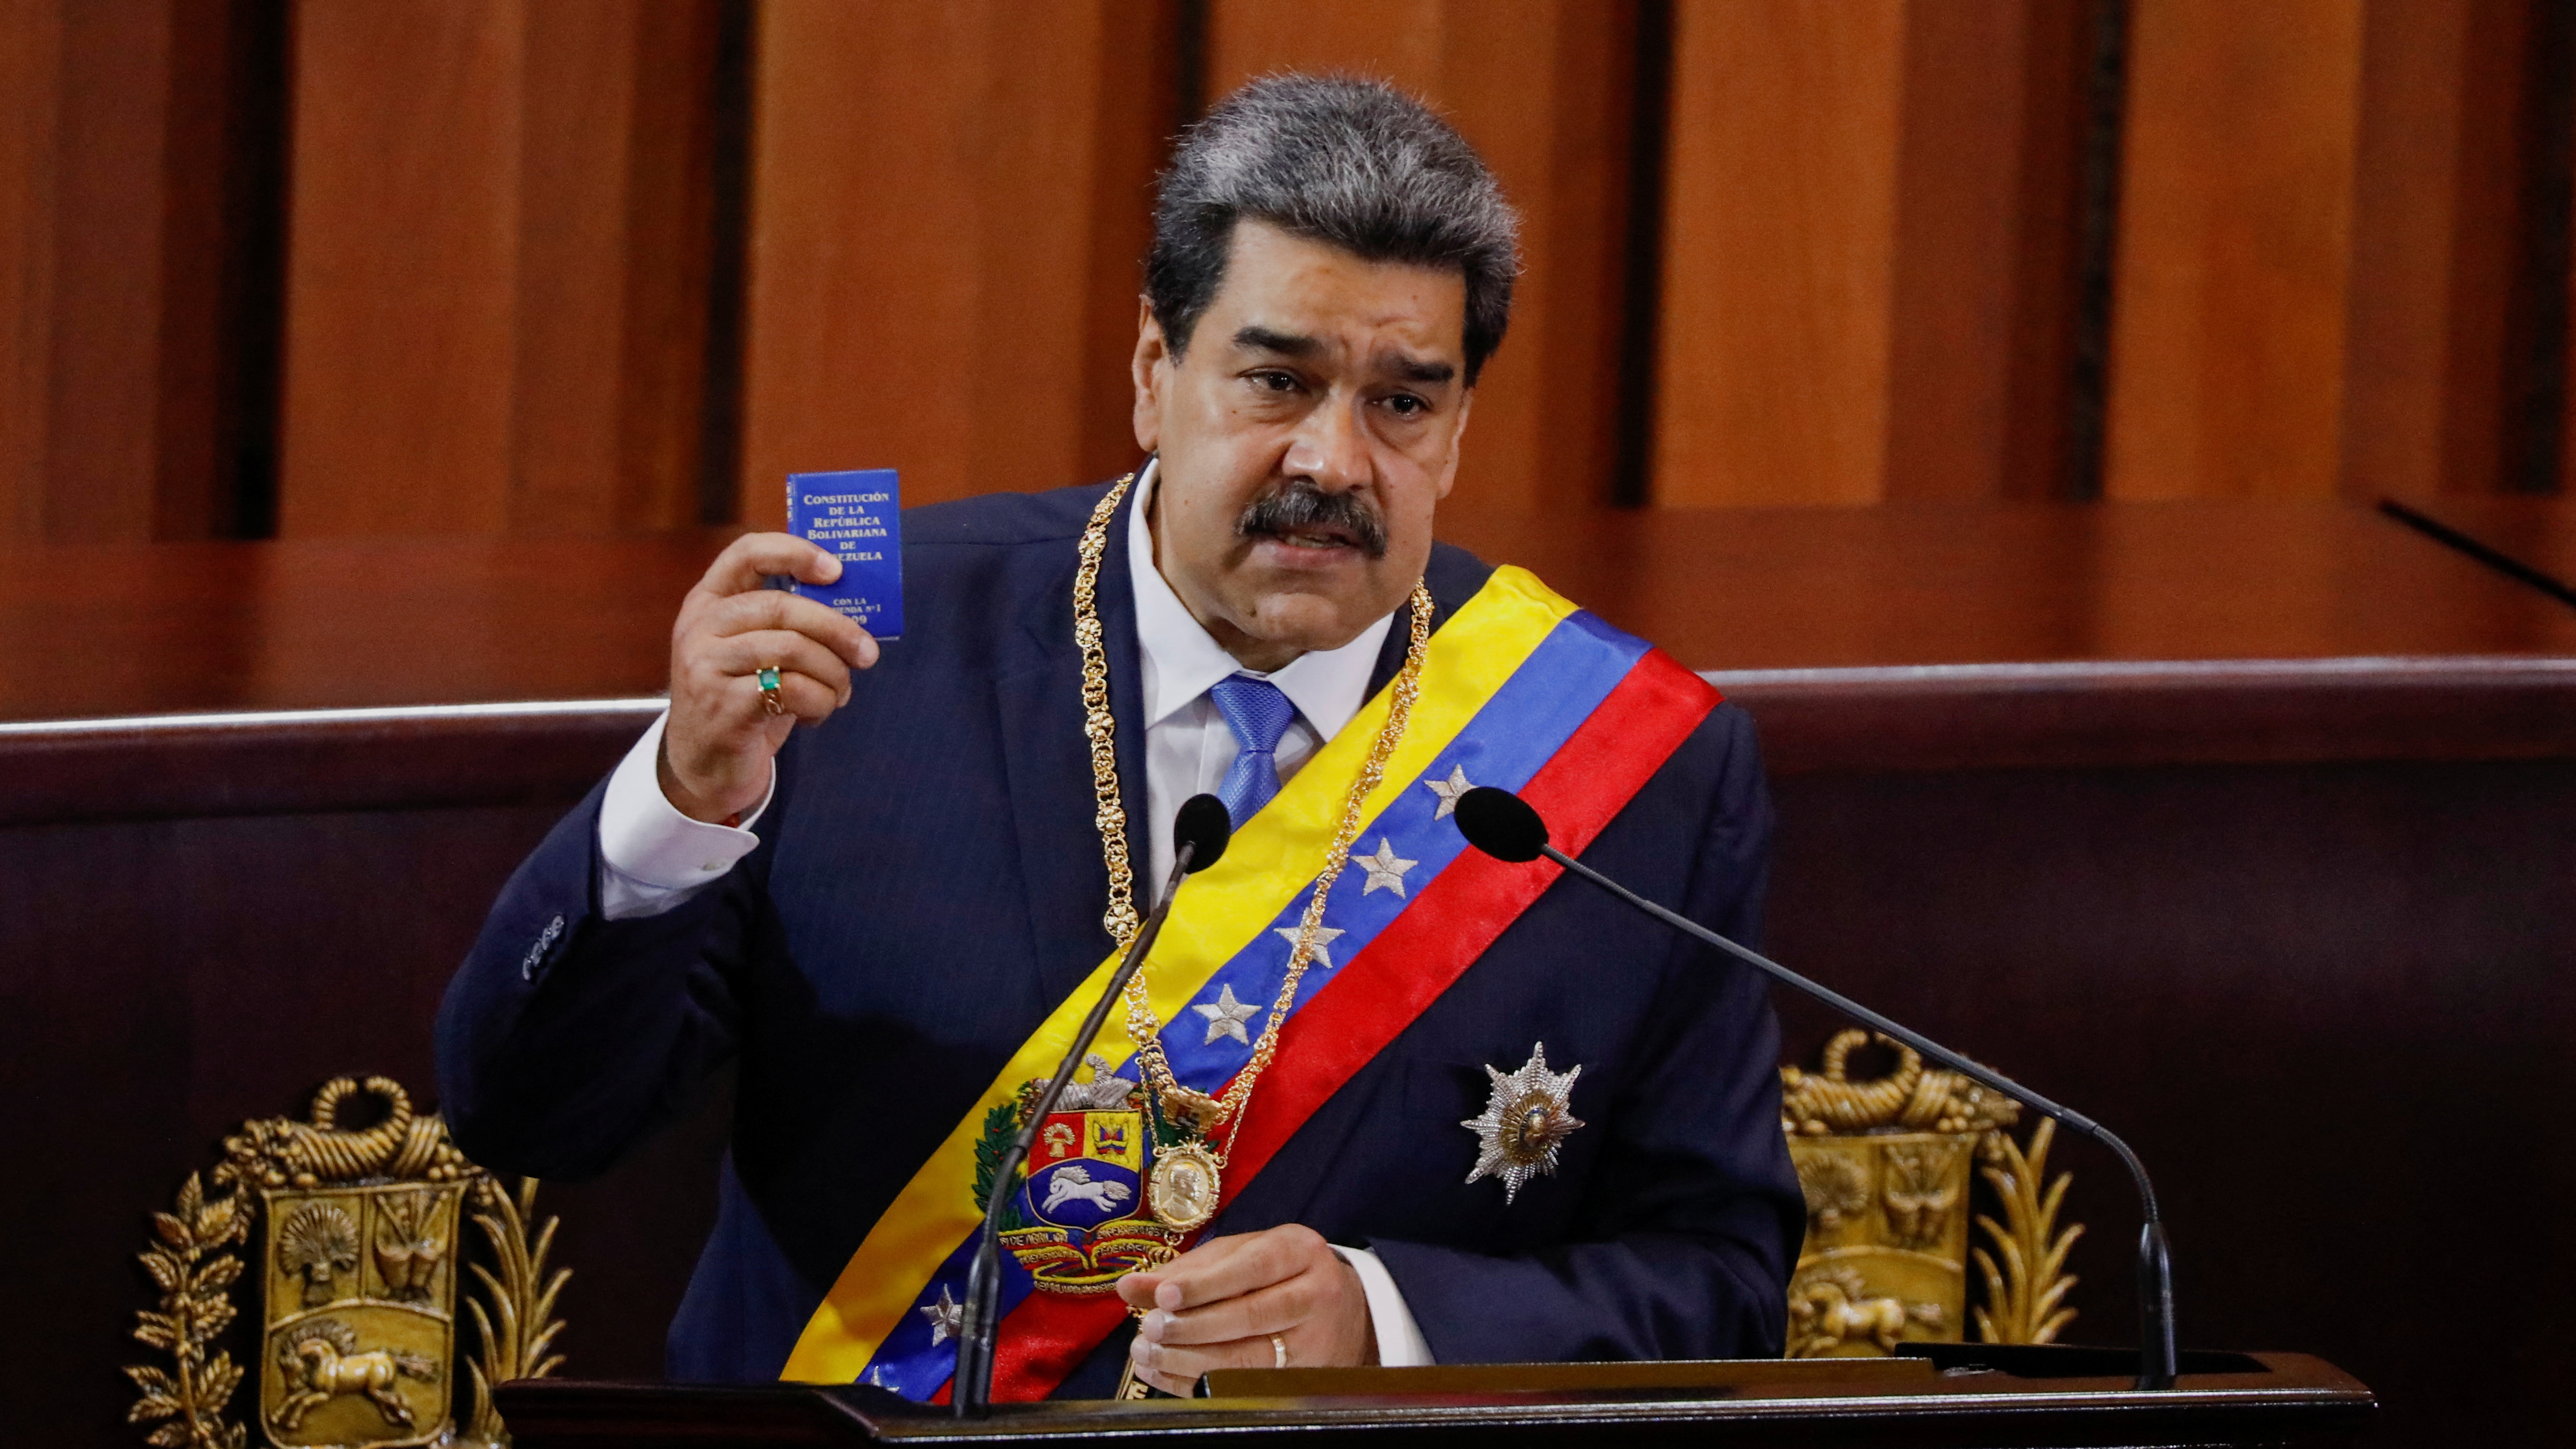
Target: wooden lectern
[1946,1395]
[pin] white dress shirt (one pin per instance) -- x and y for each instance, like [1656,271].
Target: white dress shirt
[653,857]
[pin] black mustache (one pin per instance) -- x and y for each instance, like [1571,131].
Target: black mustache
[1302,507]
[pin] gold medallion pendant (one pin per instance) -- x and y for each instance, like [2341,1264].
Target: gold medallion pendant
[1183,1190]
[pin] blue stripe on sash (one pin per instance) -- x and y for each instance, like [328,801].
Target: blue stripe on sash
[1518,731]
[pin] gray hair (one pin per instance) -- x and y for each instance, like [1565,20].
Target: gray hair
[1356,164]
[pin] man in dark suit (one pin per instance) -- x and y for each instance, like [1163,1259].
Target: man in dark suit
[867,917]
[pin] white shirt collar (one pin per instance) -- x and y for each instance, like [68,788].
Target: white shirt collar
[1182,660]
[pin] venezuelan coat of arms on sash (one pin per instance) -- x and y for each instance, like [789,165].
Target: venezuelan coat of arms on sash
[1077,1219]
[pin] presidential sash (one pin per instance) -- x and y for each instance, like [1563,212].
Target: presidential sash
[1518,689]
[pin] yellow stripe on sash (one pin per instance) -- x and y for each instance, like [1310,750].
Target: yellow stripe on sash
[1269,863]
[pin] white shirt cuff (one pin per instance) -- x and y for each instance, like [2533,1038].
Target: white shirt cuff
[1400,1343]
[652,857]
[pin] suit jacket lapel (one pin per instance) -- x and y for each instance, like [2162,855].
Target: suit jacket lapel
[1399,636]
[1116,600]
[1390,650]
[1038,691]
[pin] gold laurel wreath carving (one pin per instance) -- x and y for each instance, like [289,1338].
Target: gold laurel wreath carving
[195,1271]
[2025,1293]
[523,1311]
[192,1262]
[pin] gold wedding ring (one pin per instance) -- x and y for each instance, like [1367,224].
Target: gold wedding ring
[768,680]
[1278,1351]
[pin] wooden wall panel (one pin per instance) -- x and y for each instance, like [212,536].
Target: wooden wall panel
[1778,270]
[612,275]
[572,151]
[1138,114]
[400,296]
[30,75]
[1950,287]
[200,336]
[113,254]
[107,279]
[1983,301]
[941,204]
[1869,258]
[1545,91]
[2235,245]
[2406,233]
[2325,229]
[496,295]
[501,309]
[2439,346]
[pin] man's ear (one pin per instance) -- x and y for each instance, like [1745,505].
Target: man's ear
[1149,376]
[1449,469]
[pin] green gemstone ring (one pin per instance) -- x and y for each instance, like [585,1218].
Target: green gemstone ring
[769,677]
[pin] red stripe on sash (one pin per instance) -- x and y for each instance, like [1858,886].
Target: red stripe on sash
[1587,782]
[1378,993]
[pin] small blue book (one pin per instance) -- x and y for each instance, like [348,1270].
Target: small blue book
[855,517]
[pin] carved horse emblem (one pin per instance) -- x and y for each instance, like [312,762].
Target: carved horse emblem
[321,1361]
[1831,1307]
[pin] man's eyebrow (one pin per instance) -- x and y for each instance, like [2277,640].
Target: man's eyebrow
[1415,370]
[1258,338]
[1286,344]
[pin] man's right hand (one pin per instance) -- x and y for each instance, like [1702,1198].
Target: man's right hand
[717,747]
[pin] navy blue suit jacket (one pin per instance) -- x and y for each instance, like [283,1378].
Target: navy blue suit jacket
[929,885]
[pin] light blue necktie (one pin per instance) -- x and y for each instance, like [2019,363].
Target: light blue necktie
[1258,714]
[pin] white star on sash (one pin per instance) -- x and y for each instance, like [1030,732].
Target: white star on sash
[1227,1016]
[1324,936]
[1448,790]
[1385,869]
[947,1317]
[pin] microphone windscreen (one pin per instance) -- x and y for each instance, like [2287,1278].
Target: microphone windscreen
[1204,825]
[1501,824]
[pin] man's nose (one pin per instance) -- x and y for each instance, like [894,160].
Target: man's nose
[1330,448]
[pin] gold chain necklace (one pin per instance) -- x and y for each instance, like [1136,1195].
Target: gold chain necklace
[1185,1187]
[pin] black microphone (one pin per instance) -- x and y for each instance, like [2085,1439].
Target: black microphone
[1199,835]
[1503,825]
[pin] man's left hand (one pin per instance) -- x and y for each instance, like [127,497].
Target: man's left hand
[1220,1304]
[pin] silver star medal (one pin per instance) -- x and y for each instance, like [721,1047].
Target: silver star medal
[1448,790]
[1324,936]
[1524,1123]
[1227,1016]
[947,1317]
[1385,869]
